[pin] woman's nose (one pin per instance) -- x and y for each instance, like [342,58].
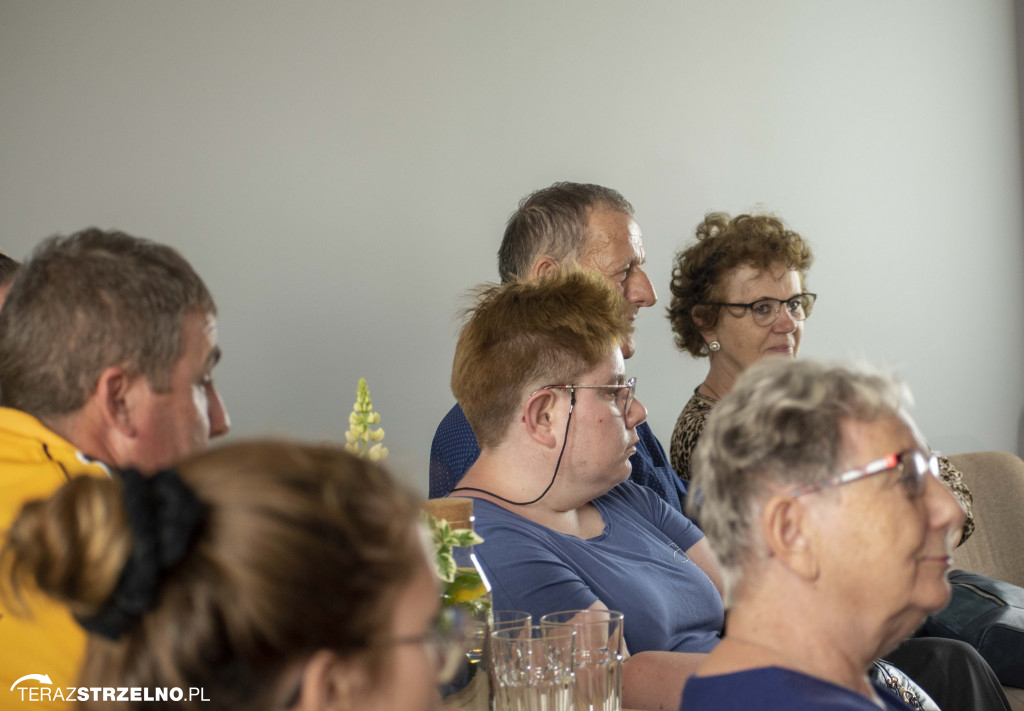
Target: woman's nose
[785,323]
[636,414]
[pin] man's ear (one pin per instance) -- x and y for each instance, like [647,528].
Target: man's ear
[112,400]
[790,535]
[330,683]
[541,266]
[538,416]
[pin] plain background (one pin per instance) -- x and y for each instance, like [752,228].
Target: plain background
[341,172]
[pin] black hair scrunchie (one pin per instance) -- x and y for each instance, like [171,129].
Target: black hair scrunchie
[163,514]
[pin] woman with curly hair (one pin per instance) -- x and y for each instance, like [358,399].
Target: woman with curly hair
[739,295]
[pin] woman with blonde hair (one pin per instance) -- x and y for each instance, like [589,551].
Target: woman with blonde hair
[268,575]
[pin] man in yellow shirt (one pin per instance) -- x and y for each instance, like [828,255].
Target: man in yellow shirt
[107,347]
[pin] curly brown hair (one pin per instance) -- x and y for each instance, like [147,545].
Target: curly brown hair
[723,245]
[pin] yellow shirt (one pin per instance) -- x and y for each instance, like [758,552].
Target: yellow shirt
[34,463]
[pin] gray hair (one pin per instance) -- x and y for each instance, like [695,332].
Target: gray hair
[553,221]
[9,269]
[779,427]
[87,302]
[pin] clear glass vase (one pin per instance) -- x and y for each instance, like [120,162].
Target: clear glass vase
[470,592]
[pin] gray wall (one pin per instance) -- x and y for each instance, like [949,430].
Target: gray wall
[340,173]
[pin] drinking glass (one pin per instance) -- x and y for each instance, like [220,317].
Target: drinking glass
[533,668]
[502,619]
[600,648]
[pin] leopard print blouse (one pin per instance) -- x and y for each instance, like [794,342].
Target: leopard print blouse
[690,426]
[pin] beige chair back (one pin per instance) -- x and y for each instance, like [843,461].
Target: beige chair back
[996,548]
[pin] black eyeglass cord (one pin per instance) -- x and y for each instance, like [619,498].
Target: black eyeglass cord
[565,439]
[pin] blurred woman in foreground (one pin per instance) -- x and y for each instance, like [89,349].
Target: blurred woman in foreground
[270,575]
[822,504]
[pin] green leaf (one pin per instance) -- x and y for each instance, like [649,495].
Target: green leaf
[465,537]
[446,567]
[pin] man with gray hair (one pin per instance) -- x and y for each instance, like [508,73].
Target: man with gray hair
[107,347]
[592,226]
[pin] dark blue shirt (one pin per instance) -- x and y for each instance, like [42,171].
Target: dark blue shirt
[777,689]
[454,450]
[637,565]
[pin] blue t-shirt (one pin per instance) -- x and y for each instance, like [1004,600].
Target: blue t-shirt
[777,689]
[454,450]
[637,566]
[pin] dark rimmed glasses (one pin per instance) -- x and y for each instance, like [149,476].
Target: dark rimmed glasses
[624,396]
[914,466]
[766,311]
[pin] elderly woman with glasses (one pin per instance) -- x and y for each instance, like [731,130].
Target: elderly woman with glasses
[256,576]
[822,504]
[739,295]
[540,375]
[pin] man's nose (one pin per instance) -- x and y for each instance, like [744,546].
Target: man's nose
[220,421]
[639,290]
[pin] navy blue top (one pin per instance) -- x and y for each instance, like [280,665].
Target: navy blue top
[637,565]
[776,689]
[454,450]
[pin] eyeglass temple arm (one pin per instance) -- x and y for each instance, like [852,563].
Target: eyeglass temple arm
[890,461]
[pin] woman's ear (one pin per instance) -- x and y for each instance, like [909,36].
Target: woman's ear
[697,314]
[330,683]
[538,416]
[789,534]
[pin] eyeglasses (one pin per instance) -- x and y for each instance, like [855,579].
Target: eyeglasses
[624,396]
[447,640]
[913,464]
[625,392]
[766,311]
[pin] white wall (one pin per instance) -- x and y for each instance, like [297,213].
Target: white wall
[341,172]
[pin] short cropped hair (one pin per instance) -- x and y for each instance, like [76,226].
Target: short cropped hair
[553,221]
[303,548]
[524,335]
[723,245]
[87,302]
[780,426]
